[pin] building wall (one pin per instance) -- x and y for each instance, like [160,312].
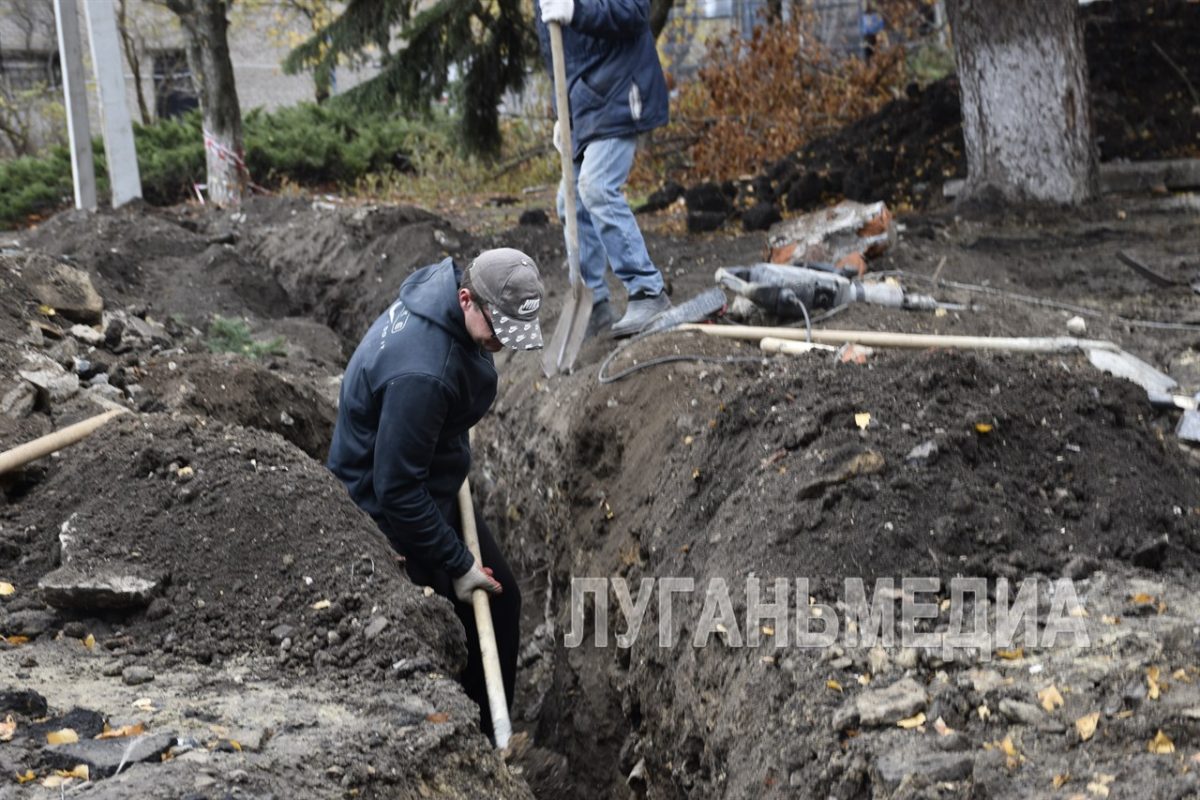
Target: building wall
[260,37]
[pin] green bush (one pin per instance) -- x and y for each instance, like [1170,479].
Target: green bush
[308,145]
[233,336]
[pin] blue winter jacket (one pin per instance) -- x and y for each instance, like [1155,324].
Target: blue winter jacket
[413,389]
[615,82]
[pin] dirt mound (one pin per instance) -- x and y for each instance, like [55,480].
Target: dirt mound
[1143,109]
[245,534]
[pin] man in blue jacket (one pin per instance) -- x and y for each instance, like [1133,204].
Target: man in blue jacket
[420,379]
[616,90]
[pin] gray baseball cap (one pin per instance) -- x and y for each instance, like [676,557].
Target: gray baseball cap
[510,288]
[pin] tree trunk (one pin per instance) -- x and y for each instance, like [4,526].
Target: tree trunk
[1026,109]
[205,27]
[133,56]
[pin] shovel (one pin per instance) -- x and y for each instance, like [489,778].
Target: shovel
[572,324]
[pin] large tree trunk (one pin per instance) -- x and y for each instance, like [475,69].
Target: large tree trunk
[205,27]
[1026,110]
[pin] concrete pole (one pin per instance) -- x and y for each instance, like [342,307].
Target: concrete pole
[70,50]
[119,150]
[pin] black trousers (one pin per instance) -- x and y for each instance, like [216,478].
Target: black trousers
[506,617]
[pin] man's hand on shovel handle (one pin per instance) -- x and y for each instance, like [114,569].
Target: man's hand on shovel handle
[476,578]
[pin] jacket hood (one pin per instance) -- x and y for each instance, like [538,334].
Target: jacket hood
[432,293]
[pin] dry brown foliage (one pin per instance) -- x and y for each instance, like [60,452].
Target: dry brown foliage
[757,100]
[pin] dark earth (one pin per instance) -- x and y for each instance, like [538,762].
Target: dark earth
[277,650]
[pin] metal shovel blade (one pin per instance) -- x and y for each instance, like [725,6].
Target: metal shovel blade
[569,331]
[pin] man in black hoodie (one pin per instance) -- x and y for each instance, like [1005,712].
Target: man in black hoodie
[420,379]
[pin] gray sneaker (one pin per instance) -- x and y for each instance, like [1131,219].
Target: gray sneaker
[600,321]
[642,309]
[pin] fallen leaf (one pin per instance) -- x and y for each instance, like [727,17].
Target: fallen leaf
[689,439]
[81,772]
[1181,676]
[89,642]
[983,427]
[1152,674]
[941,727]
[1060,781]
[6,589]
[7,729]
[1050,698]
[1086,725]
[320,604]
[136,729]
[64,736]
[438,718]
[15,641]
[913,722]
[1110,620]
[1142,599]
[833,685]
[53,781]
[862,420]
[26,777]
[1098,789]
[696,474]
[984,712]
[1161,744]
[864,679]
[768,630]
[46,311]
[1011,655]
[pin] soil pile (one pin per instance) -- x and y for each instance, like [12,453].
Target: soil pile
[1141,75]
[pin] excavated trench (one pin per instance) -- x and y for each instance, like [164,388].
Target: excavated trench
[1001,467]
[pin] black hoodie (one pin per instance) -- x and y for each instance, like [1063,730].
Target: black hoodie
[415,386]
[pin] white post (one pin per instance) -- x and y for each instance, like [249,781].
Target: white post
[79,132]
[119,150]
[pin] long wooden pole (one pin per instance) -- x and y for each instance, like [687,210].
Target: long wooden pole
[492,677]
[1050,344]
[53,442]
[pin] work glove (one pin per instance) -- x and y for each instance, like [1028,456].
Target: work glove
[558,137]
[476,578]
[559,11]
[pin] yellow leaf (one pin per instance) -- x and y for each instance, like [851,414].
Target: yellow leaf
[1161,744]
[320,604]
[89,642]
[1009,748]
[862,420]
[1141,599]
[1110,620]
[1098,789]
[1086,725]
[125,730]
[1050,698]
[768,630]
[1152,674]
[983,427]
[1061,780]
[15,641]
[833,685]
[80,772]
[912,722]
[1181,675]
[6,589]
[7,729]
[235,744]
[864,679]
[1011,655]
[46,311]
[64,736]
[696,474]
[26,777]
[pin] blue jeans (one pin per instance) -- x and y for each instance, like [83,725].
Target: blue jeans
[608,233]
